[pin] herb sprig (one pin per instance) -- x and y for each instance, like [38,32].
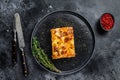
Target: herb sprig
[41,56]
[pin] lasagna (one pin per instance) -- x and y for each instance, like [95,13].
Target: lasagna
[62,43]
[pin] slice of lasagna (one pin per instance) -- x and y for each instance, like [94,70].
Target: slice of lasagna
[62,43]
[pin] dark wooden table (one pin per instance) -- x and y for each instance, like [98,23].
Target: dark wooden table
[105,64]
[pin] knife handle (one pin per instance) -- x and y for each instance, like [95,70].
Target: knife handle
[24,64]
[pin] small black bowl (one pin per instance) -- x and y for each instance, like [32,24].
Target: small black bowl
[102,24]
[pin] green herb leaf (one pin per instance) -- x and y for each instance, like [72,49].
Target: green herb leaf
[41,56]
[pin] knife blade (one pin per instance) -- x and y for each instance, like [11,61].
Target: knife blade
[21,42]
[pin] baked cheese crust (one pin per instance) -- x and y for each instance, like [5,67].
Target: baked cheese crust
[62,43]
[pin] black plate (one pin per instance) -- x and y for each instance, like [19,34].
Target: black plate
[83,34]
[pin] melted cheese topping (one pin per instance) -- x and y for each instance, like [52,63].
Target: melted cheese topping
[62,42]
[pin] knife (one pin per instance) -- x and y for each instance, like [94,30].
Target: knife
[21,42]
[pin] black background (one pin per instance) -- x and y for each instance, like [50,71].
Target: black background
[105,64]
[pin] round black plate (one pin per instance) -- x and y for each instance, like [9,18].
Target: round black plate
[83,34]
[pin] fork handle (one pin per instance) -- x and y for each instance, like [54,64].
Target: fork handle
[14,54]
[14,48]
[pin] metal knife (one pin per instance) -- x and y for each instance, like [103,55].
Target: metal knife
[21,42]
